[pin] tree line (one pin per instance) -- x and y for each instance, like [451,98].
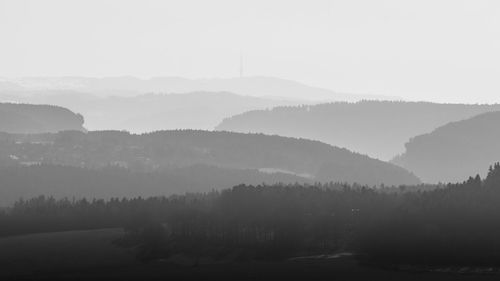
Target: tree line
[447,224]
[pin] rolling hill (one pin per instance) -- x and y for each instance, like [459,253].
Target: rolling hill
[376,128]
[150,112]
[32,119]
[456,149]
[114,182]
[257,86]
[167,150]
[118,103]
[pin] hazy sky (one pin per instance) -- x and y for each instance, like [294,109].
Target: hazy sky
[434,50]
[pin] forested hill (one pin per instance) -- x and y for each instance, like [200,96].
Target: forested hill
[29,118]
[454,150]
[114,182]
[165,150]
[376,128]
[193,110]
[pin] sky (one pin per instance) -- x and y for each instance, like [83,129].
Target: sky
[438,50]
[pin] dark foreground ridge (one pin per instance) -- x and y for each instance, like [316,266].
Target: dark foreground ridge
[448,231]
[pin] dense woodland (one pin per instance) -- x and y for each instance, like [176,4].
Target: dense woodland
[459,148]
[195,110]
[445,224]
[181,192]
[32,118]
[376,128]
[166,150]
[108,182]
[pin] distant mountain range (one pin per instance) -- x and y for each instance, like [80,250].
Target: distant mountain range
[167,150]
[32,119]
[376,128]
[257,86]
[452,151]
[164,103]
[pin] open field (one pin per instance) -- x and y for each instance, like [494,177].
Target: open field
[90,255]
[38,254]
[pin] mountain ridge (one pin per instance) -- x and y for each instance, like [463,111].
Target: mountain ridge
[258,86]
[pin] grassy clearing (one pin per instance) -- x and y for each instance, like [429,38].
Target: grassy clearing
[91,255]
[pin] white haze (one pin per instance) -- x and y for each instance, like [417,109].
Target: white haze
[424,50]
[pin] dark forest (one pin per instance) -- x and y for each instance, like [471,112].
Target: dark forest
[431,225]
